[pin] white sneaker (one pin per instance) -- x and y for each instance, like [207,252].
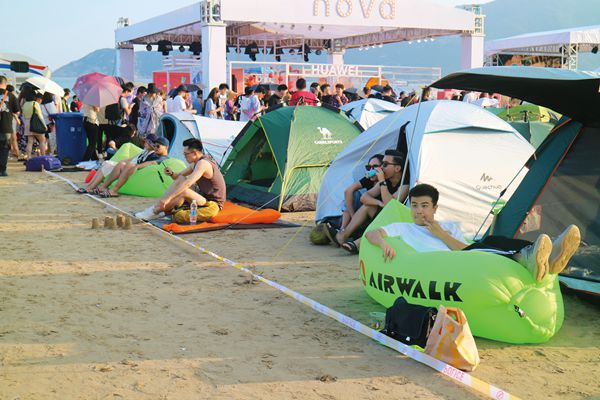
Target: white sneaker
[563,248]
[148,214]
[535,257]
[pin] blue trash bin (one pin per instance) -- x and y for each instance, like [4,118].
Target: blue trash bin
[71,140]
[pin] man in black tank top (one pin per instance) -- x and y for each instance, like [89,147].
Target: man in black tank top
[201,181]
[389,186]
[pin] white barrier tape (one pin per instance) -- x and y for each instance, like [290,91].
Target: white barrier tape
[446,369]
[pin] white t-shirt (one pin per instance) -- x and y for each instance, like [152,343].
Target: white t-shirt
[420,238]
[176,104]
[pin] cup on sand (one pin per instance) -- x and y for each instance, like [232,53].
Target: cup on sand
[95,223]
[377,320]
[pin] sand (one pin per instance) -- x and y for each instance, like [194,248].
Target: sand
[132,314]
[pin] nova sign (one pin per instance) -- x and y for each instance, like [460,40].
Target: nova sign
[345,8]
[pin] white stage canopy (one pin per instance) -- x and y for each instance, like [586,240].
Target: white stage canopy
[353,22]
[322,25]
[564,43]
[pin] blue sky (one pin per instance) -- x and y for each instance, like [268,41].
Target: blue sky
[60,31]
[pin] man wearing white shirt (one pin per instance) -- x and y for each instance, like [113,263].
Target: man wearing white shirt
[178,103]
[426,234]
[252,106]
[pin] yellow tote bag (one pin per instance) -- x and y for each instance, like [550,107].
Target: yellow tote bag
[451,340]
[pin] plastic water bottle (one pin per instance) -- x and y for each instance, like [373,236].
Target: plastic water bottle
[193,213]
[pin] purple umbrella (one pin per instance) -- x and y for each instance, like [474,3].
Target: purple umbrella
[97,89]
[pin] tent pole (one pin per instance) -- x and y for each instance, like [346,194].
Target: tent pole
[411,141]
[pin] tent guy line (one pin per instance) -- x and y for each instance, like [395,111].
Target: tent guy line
[447,370]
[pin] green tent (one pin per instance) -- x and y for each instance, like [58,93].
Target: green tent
[533,122]
[279,160]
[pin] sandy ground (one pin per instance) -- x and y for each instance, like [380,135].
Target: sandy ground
[101,314]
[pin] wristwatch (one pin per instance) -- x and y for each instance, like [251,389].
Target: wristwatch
[383,183]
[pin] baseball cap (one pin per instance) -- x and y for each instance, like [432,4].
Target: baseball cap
[162,141]
[151,138]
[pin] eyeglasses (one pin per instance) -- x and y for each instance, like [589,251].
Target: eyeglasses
[369,167]
[385,164]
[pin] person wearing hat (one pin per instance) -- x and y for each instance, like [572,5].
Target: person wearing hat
[155,151]
[151,109]
[178,103]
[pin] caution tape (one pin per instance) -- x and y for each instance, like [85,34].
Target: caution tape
[440,366]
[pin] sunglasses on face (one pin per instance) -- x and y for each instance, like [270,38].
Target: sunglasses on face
[385,164]
[369,167]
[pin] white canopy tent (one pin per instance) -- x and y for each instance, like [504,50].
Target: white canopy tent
[216,134]
[367,112]
[466,152]
[564,43]
[324,25]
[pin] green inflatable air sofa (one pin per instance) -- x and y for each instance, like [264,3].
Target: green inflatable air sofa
[500,298]
[150,181]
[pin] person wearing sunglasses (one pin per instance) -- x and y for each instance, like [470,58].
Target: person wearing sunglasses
[353,193]
[387,187]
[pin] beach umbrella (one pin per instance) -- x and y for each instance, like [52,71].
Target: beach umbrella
[97,89]
[46,85]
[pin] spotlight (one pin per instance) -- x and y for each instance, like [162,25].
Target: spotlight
[321,28]
[418,40]
[318,52]
[181,48]
[410,42]
[293,26]
[310,27]
[278,58]
[327,44]
[306,58]
[292,52]
[149,47]
[306,49]
[251,51]
[595,50]
[165,46]
[380,45]
[196,48]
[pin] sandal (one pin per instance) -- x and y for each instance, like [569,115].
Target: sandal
[350,247]
[331,233]
[107,194]
[81,191]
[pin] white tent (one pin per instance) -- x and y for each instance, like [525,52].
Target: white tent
[466,152]
[216,134]
[367,112]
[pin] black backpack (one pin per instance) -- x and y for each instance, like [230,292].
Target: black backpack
[409,323]
[114,112]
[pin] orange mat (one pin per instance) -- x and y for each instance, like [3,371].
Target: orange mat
[231,214]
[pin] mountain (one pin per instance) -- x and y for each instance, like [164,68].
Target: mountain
[503,18]
[104,61]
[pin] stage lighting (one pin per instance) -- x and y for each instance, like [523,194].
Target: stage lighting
[292,52]
[595,50]
[181,48]
[318,52]
[251,51]
[149,47]
[165,46]
[196,48]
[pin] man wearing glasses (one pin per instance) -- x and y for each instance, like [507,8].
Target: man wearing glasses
[388,187]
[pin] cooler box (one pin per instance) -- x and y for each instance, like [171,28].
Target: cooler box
[70,137]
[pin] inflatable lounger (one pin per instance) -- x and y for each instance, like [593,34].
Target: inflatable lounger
[500,298]
[147,182]
[231,216]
